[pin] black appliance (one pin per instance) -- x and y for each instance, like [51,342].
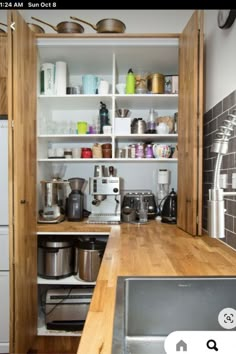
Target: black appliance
[75,204]
[169,209]
[132,200]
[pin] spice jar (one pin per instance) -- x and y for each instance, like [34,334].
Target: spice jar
[86,153]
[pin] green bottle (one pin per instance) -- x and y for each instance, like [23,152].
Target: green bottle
[130,82]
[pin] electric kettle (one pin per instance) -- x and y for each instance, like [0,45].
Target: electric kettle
[169,210]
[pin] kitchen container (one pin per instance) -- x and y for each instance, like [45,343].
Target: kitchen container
[55,258]
[106,25]
[88,257]
[155,83]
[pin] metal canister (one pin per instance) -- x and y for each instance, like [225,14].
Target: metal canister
[156,83]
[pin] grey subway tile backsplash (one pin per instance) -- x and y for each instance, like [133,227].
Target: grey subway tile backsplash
[213,119]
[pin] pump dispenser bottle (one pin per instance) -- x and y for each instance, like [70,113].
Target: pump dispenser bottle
[130,82]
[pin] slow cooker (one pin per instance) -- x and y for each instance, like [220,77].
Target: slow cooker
[55,258]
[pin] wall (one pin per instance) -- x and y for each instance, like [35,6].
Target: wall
[220,53]
[220,99]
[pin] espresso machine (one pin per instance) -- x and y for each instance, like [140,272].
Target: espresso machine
[106,199]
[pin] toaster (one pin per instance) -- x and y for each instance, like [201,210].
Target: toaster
[132,199]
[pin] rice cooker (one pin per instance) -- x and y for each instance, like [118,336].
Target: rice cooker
[55,257]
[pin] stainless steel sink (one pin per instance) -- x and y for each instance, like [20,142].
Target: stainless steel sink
[147,309]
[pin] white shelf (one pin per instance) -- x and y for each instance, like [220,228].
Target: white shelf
[74,137]
[43,331]
[64,281]
[155,101]
[109,160]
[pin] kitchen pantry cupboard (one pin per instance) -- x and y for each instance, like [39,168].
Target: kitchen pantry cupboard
[22,77]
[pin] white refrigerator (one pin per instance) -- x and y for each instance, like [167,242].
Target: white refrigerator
[4,240]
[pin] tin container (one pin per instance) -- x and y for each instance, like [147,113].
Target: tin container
[156,83]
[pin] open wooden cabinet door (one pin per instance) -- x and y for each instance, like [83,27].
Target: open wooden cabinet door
[190,126]
[22,184]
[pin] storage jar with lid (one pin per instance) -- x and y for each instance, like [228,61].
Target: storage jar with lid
[155,83]
[88,257]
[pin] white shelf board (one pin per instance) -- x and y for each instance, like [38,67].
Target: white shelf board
[74,137]
[64,281]
[147,137]
[43,331]
[148,101]
[110,160]
[74,102]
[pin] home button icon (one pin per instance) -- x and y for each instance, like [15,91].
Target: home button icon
[181,346]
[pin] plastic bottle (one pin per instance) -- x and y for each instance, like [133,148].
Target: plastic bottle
[103,116]
[130,82]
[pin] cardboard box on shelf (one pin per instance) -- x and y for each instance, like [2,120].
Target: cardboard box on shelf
[122,125]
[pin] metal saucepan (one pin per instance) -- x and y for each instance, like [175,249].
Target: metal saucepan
[107,25]
[35,28]
[1,30]
[64,27]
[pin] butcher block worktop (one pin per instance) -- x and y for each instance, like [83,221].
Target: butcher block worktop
[153,249]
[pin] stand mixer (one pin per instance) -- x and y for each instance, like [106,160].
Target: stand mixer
[105,205]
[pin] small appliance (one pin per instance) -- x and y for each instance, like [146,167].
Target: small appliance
[105,205]
[53,199]
[163,187]
[55,257]
[75,204]
[132,200]
[169,210]
[66,309]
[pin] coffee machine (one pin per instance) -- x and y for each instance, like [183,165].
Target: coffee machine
[53,199]
[75,204]
[106,198]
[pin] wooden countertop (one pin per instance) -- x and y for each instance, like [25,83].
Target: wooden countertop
[154,249]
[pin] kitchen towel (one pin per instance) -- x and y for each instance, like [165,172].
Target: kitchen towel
[61,78]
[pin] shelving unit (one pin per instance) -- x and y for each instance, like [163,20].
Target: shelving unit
[57,116]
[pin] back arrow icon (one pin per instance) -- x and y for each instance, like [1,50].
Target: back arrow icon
[13,26]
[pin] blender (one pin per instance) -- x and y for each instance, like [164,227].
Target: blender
[75,204]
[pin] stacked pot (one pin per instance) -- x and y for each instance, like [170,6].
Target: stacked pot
[59,258]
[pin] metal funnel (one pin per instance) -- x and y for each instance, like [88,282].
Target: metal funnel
[76,183]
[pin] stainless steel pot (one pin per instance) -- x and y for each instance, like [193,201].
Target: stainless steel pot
[55,258]
[107,25]
[88,257]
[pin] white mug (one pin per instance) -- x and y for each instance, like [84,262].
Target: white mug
[107,129]
[103,87]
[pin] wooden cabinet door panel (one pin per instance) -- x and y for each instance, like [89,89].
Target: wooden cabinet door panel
[22,181]
[190,126]
[3,74]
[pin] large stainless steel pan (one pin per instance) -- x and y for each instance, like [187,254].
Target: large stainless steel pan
[64,27]
[35,28]
[1,30]
[107,25]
